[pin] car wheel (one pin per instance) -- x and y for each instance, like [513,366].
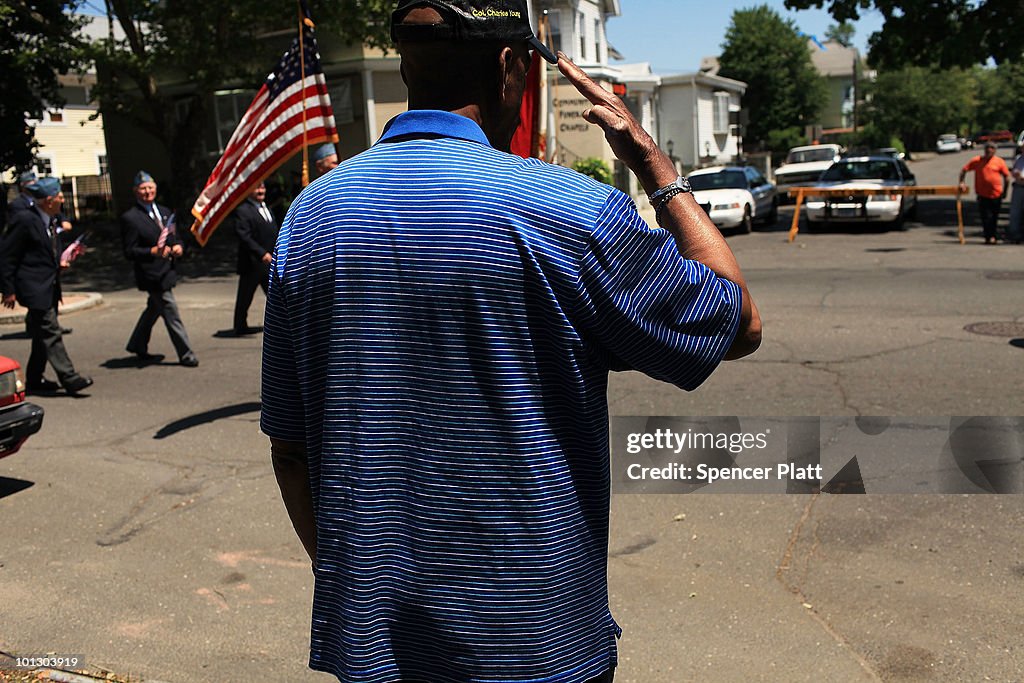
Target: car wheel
[912,213]
[773,216]
[747,226]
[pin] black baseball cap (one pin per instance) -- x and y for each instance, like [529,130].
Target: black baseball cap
[506,21]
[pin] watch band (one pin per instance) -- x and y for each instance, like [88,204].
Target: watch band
[680,183]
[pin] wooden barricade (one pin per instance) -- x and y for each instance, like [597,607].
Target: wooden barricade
[917,190]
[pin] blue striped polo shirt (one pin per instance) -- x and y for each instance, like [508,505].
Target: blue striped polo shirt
[440,325]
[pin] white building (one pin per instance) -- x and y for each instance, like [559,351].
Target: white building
[697,118]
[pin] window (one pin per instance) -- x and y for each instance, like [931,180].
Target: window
[55,116]
[341,101]
[721,113]
[597,40]
[581,29]
[101,164]
[555,30]
[44,165]
[229,106]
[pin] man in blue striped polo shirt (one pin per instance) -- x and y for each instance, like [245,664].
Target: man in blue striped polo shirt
[441,321]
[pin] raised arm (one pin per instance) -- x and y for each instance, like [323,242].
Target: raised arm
[695,235]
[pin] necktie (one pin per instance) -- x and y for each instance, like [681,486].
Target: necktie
[265,212]
[156,217]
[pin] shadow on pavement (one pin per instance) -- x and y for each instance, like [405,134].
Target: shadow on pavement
[8,486]
[206,417]
[134,362]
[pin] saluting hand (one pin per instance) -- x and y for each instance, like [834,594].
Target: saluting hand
[627,138]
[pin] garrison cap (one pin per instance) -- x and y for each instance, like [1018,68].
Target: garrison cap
[44,187]
[142,177]
[506,21]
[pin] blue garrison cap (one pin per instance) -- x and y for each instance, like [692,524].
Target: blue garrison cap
[27,177]
[44,187]
[324,151]
[142,177]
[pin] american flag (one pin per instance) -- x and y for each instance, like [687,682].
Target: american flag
[287,113]
[74,250]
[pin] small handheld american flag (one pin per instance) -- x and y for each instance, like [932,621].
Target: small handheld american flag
[168,229]
[74,250]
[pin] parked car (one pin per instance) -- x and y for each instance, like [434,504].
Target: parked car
[735,196]
[18,419]
[888,152]
[996,136]
[859,173]
[948,143]
[804,165]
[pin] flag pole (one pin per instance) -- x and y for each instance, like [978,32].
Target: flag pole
[303,22]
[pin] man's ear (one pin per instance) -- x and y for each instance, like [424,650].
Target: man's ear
[508,66]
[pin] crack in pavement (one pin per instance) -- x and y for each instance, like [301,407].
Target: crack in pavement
[782,575]
[187,486]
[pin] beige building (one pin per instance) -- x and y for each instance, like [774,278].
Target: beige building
[842,68]
[70,138]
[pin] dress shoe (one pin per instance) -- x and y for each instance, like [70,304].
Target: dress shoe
[77,384]
[190,362]
[43,386]
[66,330]
[244,331]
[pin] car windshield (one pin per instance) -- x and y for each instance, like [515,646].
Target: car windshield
[947,138]
[860,170]
[718,181]
[805,155]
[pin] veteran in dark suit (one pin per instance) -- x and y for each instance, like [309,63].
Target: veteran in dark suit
[257,234]
[30,268]
[151,244]
[24,201]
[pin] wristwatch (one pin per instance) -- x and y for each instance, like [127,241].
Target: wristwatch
[680,184]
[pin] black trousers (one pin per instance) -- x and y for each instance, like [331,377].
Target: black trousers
[247,284]
[989,211]
[47,346]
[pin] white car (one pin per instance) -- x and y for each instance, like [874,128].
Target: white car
[804,165]
[735,196]
[948,143]
[863,173]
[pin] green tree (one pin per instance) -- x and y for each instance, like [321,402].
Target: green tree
[946,32]
[841,33]
[916,104]
[784,91]
[176,54]
[33,51]
[1000,96]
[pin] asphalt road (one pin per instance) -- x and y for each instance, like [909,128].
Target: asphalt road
[142,528]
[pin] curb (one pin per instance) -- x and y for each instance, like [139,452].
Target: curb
[73,301]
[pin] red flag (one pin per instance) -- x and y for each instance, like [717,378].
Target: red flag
[525,139]
[288,113]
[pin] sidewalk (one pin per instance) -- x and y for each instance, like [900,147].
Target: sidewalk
[73,301]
